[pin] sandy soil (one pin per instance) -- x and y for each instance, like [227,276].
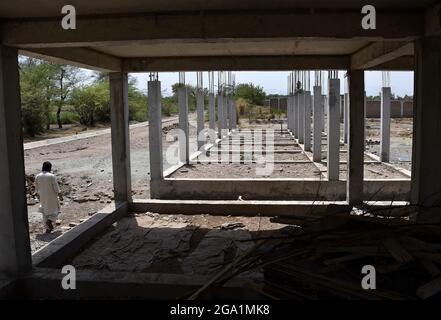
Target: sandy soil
[237,170]
[178,244]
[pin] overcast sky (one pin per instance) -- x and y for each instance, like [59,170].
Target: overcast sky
[276,82]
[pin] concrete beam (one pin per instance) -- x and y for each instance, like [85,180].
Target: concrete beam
[15,250]
[404,63]
[209,25]
[184,139]
[236,63]
[356,128]
[333,127]
[60,250]
[379,53]
[155,134]
[120,135]
[280,189]
[79,57]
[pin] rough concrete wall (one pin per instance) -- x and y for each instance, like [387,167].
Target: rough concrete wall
[274,103]
[395,109]
[373,109]
[283,103]
[407,109]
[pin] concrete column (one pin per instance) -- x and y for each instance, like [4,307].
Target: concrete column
[354,183]
[232,109]
[333,122]
[120,134]
[317,124]
[200,117]
[220,115]
[211,111]
[288,113]
[301,114]
[346,117]
[385,124]
[307,134]
[426,146]
[226,110]
[234,113]
[155,136]
[15,251]
[296,115]
[184,140]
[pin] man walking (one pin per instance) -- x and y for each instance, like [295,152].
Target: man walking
[47,189]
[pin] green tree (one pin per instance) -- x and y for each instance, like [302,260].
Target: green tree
[67,78]
[251,93]
[37,83]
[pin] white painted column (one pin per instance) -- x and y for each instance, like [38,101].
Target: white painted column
[385,123]
[220,115]
[317,124]
[346,117]
[184,146]
[301,121]
[15,251]
[200,117]
[120,135]
[307,130]
[212,111]
[333,122]
[155,137]
[354,183]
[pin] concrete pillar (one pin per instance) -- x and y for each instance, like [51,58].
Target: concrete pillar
[317,124]
[234,113]
[385,124]
[296,115]
[15,251]
[226,113]
[333,127]
[155,136]
[220,115]
[301,121]
[200,117]
[211,111]
[354,183]
[288,113]
[426,145]
[307,134]
[120,135]
[184,141]
[346,117]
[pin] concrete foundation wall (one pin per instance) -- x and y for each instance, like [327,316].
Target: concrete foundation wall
[278,189]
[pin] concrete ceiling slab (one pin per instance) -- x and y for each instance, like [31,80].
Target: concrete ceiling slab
[52,8]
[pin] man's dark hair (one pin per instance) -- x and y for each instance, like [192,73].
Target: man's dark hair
[47,166]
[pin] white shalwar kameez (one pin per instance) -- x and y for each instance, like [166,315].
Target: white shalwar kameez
[46,186]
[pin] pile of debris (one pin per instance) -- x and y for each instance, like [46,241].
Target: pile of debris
[337,255]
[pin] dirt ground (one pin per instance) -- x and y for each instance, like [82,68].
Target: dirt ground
[84,169]
[179,244]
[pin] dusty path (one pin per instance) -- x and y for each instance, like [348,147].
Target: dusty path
[84,170]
